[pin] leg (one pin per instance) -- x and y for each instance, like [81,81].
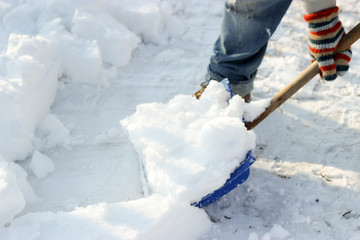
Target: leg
[246,29]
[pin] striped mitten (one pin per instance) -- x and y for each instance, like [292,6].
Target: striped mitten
[325,33]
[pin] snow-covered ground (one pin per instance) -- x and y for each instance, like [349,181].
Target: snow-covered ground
[101,139]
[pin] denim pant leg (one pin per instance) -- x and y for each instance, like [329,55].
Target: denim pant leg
[246,29]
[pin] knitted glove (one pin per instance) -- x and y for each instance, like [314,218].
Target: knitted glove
[325,33]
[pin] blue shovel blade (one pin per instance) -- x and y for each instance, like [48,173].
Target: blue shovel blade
[237,177]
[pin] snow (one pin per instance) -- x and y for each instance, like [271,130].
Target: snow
[28,86]
[114,40]
[185,141]
[41,165]
[12,199]
[70,71]
[146,218]
[252,111]
[50,133]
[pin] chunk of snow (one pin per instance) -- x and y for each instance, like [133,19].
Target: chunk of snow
[12,198]
[115,41]
[278,232]
[255,108]
[151,19]
[189,147]
[52,132]
[153,218]
[82,61]
[27,92]
[41,165]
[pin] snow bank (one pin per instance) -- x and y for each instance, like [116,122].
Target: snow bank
[115,41]
[12,199]
[14,190]
[151,19]
[77,41]
[62,38]
[150,218]
[189,147]
[28,86]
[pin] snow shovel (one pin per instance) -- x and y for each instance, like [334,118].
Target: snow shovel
[241,173]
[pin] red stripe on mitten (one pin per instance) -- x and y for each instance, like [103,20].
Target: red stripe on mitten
[325,33]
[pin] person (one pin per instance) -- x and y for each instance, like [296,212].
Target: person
[246,29]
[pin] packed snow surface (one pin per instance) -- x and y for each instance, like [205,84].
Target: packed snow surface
[71,71]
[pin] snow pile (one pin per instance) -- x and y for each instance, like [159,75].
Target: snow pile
[189,147]
[14,190]
[304,185]
[152,19]
[150,218]
[28,86]
[78,41]
[12,199]
[47,40]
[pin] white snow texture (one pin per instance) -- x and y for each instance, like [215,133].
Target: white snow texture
[100,137]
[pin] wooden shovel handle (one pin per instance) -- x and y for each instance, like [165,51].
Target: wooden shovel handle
[303,78]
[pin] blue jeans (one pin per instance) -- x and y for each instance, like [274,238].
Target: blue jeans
[246,29]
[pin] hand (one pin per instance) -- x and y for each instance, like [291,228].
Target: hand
[325,33]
